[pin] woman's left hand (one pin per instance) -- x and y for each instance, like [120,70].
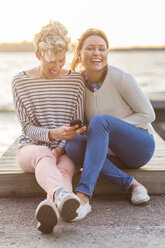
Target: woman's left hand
[65,132]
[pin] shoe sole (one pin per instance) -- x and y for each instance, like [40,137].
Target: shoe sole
[68,209]
[47,218]
[141,201]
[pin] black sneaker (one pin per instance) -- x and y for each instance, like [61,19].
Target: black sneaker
[47,216]
[67,203]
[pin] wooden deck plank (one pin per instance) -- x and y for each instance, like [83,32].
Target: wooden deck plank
[14,182]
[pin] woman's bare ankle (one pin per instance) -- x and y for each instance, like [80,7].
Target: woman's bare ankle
[83,197]
[134,184]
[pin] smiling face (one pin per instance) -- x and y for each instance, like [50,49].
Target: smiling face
[52,69]
[93,54]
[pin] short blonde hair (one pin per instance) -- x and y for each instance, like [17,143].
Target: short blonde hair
[52,39]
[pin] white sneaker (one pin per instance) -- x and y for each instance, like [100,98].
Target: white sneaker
[82,211]
[139,195]
[47,215]
[67,203]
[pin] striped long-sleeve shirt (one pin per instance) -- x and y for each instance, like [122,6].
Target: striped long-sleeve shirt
[44,104]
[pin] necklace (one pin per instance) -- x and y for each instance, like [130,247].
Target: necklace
[94,86]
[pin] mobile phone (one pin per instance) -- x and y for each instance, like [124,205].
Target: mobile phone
[76,122]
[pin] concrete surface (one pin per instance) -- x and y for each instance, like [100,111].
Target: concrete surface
[113,223]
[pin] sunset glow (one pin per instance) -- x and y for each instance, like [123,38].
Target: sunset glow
[126,22]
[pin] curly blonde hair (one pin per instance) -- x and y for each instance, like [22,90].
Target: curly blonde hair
[52,39]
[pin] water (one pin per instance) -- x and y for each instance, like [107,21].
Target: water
[147,66]
[9,129]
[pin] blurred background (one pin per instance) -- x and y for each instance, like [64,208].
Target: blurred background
[135,30]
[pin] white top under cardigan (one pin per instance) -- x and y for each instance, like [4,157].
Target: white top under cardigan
[121,97]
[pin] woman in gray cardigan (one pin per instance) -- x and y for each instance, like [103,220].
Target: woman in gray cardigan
[120,134]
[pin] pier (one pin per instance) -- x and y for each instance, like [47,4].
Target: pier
[158,103]
[16,183]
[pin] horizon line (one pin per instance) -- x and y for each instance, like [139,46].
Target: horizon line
[120,47]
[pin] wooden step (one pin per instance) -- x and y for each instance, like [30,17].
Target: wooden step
[16,183]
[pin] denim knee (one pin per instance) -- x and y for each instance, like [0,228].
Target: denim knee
[96,119]
[99,121]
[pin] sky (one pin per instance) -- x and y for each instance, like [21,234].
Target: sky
[126,22]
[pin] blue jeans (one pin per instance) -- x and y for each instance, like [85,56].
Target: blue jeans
[133,147]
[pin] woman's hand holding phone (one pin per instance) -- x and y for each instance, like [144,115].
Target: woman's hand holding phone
[67,131]
[80,128]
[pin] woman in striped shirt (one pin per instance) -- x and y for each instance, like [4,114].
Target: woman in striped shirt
[47,98]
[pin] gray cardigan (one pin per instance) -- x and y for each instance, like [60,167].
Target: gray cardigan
[121,97]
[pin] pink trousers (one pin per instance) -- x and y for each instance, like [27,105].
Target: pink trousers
[49,174]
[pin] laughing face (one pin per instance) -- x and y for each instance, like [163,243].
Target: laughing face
[94,53]
[53,69]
